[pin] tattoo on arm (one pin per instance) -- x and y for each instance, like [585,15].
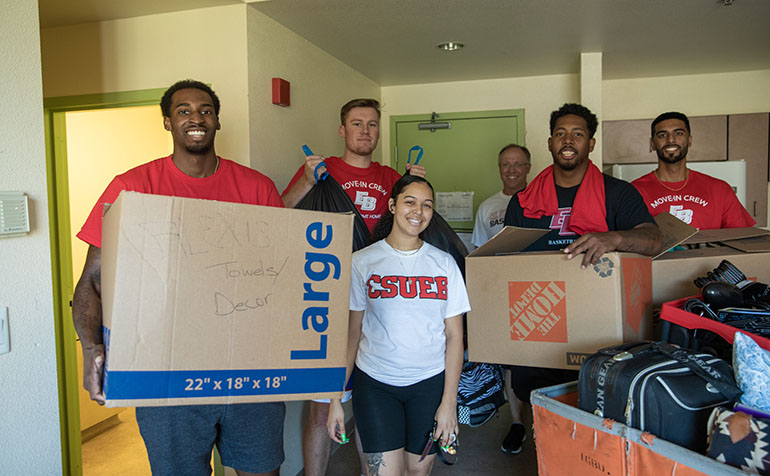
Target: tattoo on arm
[374,462]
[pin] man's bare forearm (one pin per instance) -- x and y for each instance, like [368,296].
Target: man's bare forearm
[645,239]
[296,193]
[87,301]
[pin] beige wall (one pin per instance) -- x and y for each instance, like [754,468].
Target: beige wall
[320,85]
[694,95]
[703,94]
[537,95]
[154,51]
[30,442]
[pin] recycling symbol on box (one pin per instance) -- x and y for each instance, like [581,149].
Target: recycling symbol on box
[604,267]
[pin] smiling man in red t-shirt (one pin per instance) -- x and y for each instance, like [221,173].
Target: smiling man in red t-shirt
[697,199]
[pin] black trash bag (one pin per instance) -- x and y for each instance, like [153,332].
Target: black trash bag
[327,195]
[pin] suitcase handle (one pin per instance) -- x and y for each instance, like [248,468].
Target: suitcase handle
[701,368]
[628,350]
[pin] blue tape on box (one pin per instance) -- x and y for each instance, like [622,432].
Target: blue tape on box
[136,385]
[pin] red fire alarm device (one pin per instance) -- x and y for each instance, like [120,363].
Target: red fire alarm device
[281,92]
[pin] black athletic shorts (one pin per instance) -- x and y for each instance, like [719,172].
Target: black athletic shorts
[389,417]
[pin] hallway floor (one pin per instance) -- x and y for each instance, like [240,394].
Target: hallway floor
[480,453]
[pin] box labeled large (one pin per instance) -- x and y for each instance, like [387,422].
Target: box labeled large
[541,309]
[214,302]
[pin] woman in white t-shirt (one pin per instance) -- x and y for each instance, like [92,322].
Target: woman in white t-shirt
[405,339]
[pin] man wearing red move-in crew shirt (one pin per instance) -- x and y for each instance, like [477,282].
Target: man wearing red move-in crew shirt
[368,184]
[697,199]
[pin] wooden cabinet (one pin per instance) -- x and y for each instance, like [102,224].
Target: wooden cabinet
[725,137]
[628,142]
[748,140]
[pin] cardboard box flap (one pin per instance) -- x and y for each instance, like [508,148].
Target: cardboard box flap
[510,239]
[757,244]
[674,230]
[725,234]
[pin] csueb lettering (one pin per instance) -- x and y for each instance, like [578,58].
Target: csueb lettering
[319,267]
[408,287]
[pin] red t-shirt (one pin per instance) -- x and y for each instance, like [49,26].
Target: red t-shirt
[231,182]
[704,202]
[369,188]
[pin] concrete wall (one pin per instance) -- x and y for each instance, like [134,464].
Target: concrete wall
[30,441]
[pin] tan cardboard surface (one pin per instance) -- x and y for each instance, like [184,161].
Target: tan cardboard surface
[543,310]
[674,272]
[724,234]
[219,302]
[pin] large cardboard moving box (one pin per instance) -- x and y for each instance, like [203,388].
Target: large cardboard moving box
[746,248]
[214,302]
[541,309]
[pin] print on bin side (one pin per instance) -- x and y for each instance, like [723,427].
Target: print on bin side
[538,310]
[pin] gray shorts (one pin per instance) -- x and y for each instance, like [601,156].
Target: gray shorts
[179,439]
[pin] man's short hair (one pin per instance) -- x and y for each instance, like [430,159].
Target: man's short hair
[372,103]
[165,101]
[669,115]
[510,146]
[577,110]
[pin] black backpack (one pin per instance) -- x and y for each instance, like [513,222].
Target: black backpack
[480,393]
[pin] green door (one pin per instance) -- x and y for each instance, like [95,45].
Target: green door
[462,158]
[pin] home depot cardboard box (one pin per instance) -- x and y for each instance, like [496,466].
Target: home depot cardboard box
[541,309]
[673,273]
[213,302]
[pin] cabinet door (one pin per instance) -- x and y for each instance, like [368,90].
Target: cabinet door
[749,141]
[628,142]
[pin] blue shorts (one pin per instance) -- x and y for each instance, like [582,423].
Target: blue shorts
[389,417]
[179,439]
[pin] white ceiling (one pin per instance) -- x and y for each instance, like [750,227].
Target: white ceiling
[394,41]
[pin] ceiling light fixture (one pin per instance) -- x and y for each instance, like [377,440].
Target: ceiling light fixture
[450,46]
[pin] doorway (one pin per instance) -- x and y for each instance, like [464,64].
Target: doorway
[89,139]
[460,156]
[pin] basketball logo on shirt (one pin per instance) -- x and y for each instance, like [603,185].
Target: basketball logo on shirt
[538,310]
[367,203]
[560,221]
[682,213]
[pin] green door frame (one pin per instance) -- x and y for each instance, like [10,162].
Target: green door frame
[61,257]
[61,253]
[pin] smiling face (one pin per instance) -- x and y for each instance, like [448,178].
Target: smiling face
[412,209]
[671,140]
[569,143]
[514,168]
[192,121]
[361,130]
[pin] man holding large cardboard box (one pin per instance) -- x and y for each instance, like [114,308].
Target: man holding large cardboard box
[179,439]
[697,199]
[587,212]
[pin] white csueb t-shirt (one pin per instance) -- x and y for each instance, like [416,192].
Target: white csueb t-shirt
[490,217]
[405,300]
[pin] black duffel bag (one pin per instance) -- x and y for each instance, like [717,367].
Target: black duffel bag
[658,388]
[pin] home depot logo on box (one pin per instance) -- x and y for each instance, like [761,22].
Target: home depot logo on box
[538,310]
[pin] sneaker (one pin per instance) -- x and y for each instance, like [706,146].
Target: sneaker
[513,440]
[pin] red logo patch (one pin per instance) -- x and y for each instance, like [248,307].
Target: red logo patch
[538,310]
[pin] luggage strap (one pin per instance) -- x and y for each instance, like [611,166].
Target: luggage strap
[701,368]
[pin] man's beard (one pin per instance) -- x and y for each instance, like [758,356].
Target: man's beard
[199,149]
[672,160]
